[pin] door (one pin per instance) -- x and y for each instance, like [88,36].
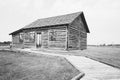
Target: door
[39,41]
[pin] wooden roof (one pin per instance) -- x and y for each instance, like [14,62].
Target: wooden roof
[57,20]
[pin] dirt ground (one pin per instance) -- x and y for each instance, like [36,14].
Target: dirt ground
[23,66]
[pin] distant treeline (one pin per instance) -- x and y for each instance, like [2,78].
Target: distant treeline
[106,45]
[5,43]
[113,45]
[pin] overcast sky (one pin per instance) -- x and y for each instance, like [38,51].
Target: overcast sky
[102,16]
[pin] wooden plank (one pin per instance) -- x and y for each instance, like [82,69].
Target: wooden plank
[59,36]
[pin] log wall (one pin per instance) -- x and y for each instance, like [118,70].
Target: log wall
[52,37]
[58,38]
[16,41]
[44,38]
[77,35]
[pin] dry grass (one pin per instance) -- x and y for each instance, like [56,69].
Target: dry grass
[107,55]
[22,66]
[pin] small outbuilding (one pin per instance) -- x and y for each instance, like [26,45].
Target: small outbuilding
[66,32]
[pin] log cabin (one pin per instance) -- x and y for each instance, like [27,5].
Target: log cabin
[66,32]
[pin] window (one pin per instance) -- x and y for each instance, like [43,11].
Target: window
[29,37]
[52,35]
[21,37]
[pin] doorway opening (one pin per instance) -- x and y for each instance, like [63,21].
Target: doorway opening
[39,40]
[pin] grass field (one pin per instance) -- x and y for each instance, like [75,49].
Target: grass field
[104,54]
[107,55]
[23,66]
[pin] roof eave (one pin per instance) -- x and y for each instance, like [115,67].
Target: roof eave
[84,21]
[17,31]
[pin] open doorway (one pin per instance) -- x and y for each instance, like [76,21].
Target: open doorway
[39,40]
